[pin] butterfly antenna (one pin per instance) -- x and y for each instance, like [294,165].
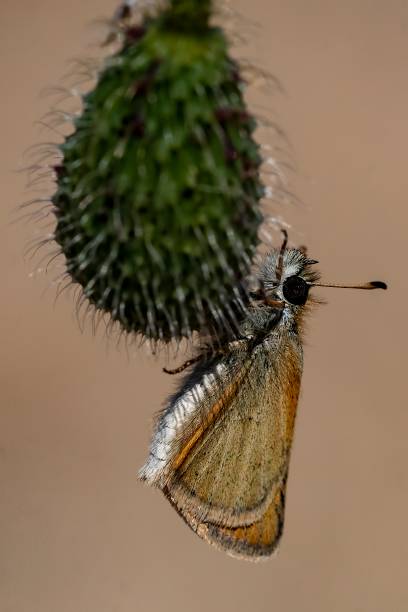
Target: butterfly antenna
[279,267]
[369,285]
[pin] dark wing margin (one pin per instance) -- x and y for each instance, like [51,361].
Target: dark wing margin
[253,542]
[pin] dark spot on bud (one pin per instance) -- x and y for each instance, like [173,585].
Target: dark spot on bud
[250,169]
[134,33]
[231,153]
[236,75]
[136,127]
[187,193]
[224,115]
[59,171]
[143,86]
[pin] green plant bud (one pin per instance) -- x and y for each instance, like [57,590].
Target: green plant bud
[158,191]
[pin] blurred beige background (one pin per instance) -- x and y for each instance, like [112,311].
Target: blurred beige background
[78,533]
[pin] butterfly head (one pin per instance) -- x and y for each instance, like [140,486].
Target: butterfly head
[286,277]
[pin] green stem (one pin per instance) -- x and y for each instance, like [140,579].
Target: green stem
[190,15]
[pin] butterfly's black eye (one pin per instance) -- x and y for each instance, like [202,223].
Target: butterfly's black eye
[295,290]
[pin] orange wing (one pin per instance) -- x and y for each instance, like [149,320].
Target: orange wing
[228,479]
[253,542]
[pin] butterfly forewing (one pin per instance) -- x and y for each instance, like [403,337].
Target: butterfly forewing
[227,463]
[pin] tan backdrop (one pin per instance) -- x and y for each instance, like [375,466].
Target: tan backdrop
[78,533]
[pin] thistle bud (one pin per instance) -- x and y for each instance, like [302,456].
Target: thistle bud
[158,191]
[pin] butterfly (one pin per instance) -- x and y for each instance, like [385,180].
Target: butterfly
[221,447]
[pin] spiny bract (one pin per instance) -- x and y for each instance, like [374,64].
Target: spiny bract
[158,192]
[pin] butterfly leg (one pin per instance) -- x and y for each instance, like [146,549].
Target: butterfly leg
[185,365]
[228,348]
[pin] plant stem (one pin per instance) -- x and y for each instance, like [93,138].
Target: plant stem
[190,15]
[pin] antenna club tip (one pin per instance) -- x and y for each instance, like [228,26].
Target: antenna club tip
[378,285]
